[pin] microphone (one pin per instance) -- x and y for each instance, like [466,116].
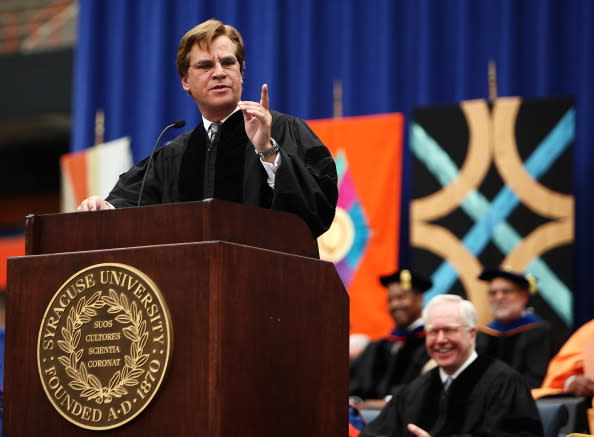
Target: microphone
[177,125]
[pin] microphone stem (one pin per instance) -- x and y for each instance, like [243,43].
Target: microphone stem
[148,165]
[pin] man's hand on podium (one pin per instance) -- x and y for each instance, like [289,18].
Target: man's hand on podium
[93,203]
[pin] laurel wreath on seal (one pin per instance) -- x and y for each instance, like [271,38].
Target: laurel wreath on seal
[88,384]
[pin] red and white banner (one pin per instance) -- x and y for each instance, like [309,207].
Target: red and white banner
[93,171]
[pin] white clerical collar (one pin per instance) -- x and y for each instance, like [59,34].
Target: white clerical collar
[207,123]
[473,356]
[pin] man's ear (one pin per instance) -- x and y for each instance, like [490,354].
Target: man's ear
[184,83]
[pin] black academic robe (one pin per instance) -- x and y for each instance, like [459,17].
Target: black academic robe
[186,169]
[528,349]
[379,370]
[488,399]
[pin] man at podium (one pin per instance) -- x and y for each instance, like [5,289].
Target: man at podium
[241,151]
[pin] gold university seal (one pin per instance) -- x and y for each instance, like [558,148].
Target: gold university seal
[104,346]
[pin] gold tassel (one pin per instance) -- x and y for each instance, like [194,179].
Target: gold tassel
[532,281]
[405,280]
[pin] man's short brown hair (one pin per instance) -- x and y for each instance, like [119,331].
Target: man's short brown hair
[205,33]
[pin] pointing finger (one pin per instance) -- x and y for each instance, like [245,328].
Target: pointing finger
[264,97]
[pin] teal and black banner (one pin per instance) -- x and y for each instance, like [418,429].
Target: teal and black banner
[493,187]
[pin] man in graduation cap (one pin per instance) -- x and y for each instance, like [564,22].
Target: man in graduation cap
[399,357]
[516,336]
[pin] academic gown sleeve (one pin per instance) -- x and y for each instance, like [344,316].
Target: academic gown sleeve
[126,191]
[536,349]
[383,425]
[306,180]
[161,185]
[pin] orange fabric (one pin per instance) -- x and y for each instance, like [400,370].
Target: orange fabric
[13,246]
[373,149]
[74,169]
[353,432]
[568,361]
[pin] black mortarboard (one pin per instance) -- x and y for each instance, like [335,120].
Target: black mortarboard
[527,282]
[407,280]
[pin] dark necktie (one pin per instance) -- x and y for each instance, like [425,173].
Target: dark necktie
[212,132]
[443,410]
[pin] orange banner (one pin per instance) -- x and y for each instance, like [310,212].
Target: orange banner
[12,246]
[364,238]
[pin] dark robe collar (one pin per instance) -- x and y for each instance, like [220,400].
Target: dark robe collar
[230,149]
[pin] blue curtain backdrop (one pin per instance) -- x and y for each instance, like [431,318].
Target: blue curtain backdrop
[389,55]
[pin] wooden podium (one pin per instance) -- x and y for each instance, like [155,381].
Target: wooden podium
[260,325]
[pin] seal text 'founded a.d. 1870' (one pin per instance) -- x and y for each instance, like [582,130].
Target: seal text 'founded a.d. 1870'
[104,345]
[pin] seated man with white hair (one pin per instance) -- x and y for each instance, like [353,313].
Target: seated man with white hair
[466,394]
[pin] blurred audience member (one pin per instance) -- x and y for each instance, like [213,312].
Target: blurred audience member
[399,357]
[516,336]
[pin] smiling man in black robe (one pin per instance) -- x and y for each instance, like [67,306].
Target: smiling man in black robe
[467,394]
[241,151]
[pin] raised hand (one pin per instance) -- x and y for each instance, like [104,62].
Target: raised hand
[258,121]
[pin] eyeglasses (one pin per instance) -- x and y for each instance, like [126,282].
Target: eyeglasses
[504,291]
[448,331]
[228,62]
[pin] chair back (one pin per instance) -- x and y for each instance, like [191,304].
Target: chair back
[553,418]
